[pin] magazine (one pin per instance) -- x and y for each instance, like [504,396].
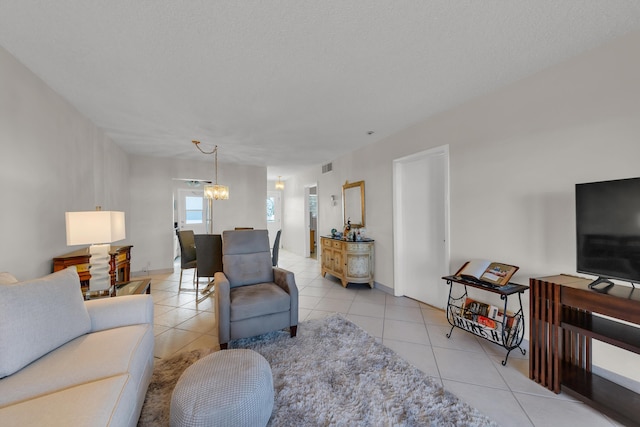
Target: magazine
[493,273]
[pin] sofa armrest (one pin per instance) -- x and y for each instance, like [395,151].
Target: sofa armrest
[286,280]
[107,313]
[222,296]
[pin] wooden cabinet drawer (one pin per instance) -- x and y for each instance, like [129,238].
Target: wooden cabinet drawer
[357,247]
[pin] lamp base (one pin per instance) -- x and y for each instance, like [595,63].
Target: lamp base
[100,281]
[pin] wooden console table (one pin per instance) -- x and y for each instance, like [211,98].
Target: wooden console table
[562,327]
[119,264]
[351,262]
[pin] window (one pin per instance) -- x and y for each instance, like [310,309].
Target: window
[193,211]
[271,209]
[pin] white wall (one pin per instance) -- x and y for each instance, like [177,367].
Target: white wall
[152,187]
[53,160]
[516,155]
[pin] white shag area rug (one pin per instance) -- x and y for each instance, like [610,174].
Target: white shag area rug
[332,374]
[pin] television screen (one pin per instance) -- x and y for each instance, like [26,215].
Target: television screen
[608,229]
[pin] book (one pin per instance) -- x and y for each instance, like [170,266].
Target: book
[485,321]
[511,329]
[483,271]
[476,307]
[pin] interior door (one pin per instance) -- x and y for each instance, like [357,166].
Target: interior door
[192,208]
[421,226]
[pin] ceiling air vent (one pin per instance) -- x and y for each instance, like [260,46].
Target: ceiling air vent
[327,168]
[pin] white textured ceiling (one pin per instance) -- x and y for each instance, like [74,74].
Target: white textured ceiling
[289,83]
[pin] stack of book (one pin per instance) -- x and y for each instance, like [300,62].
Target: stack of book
[490,322]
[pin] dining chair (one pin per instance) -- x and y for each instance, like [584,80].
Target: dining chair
[188,259]
[209,255]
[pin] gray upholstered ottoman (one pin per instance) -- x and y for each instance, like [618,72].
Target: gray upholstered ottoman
[226,388]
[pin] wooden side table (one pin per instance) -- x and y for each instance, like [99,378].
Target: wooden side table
[119,264]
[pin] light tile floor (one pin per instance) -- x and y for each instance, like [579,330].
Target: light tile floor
[466,365]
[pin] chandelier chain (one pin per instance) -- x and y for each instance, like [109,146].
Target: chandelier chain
[214,152]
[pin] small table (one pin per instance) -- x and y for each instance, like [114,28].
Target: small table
[133,287]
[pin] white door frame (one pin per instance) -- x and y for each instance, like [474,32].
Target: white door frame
[307,219]
[400,230]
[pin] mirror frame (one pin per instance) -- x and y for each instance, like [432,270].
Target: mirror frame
[349,192]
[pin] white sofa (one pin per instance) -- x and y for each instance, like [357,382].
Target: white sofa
[67,362]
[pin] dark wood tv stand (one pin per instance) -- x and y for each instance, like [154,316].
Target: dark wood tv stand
[563,325]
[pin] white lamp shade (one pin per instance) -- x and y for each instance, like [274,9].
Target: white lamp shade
[91,227]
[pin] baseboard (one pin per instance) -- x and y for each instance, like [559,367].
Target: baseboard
[383,288]
[617,378]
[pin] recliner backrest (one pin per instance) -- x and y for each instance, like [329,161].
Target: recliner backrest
[246,257]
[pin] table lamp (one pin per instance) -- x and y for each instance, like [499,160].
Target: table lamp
[98,229]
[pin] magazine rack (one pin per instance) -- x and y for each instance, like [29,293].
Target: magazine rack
[508,333]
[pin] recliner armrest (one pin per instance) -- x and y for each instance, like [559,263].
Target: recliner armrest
[286,280]
[108,313]
[222,296]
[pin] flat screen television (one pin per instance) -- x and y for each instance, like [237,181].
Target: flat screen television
[608,230]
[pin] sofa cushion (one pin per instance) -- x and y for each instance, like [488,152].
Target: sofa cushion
[39,315]
[89,357]
[7,278]
[89,404]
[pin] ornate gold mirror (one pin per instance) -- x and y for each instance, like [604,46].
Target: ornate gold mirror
[353,203]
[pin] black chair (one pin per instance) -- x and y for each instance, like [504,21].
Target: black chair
[209,254]
[187,254]
[276,249]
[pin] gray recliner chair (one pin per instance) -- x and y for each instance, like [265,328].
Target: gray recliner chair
[252,297]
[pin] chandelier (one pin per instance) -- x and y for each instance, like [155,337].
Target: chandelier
[279,184]
[214,191]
